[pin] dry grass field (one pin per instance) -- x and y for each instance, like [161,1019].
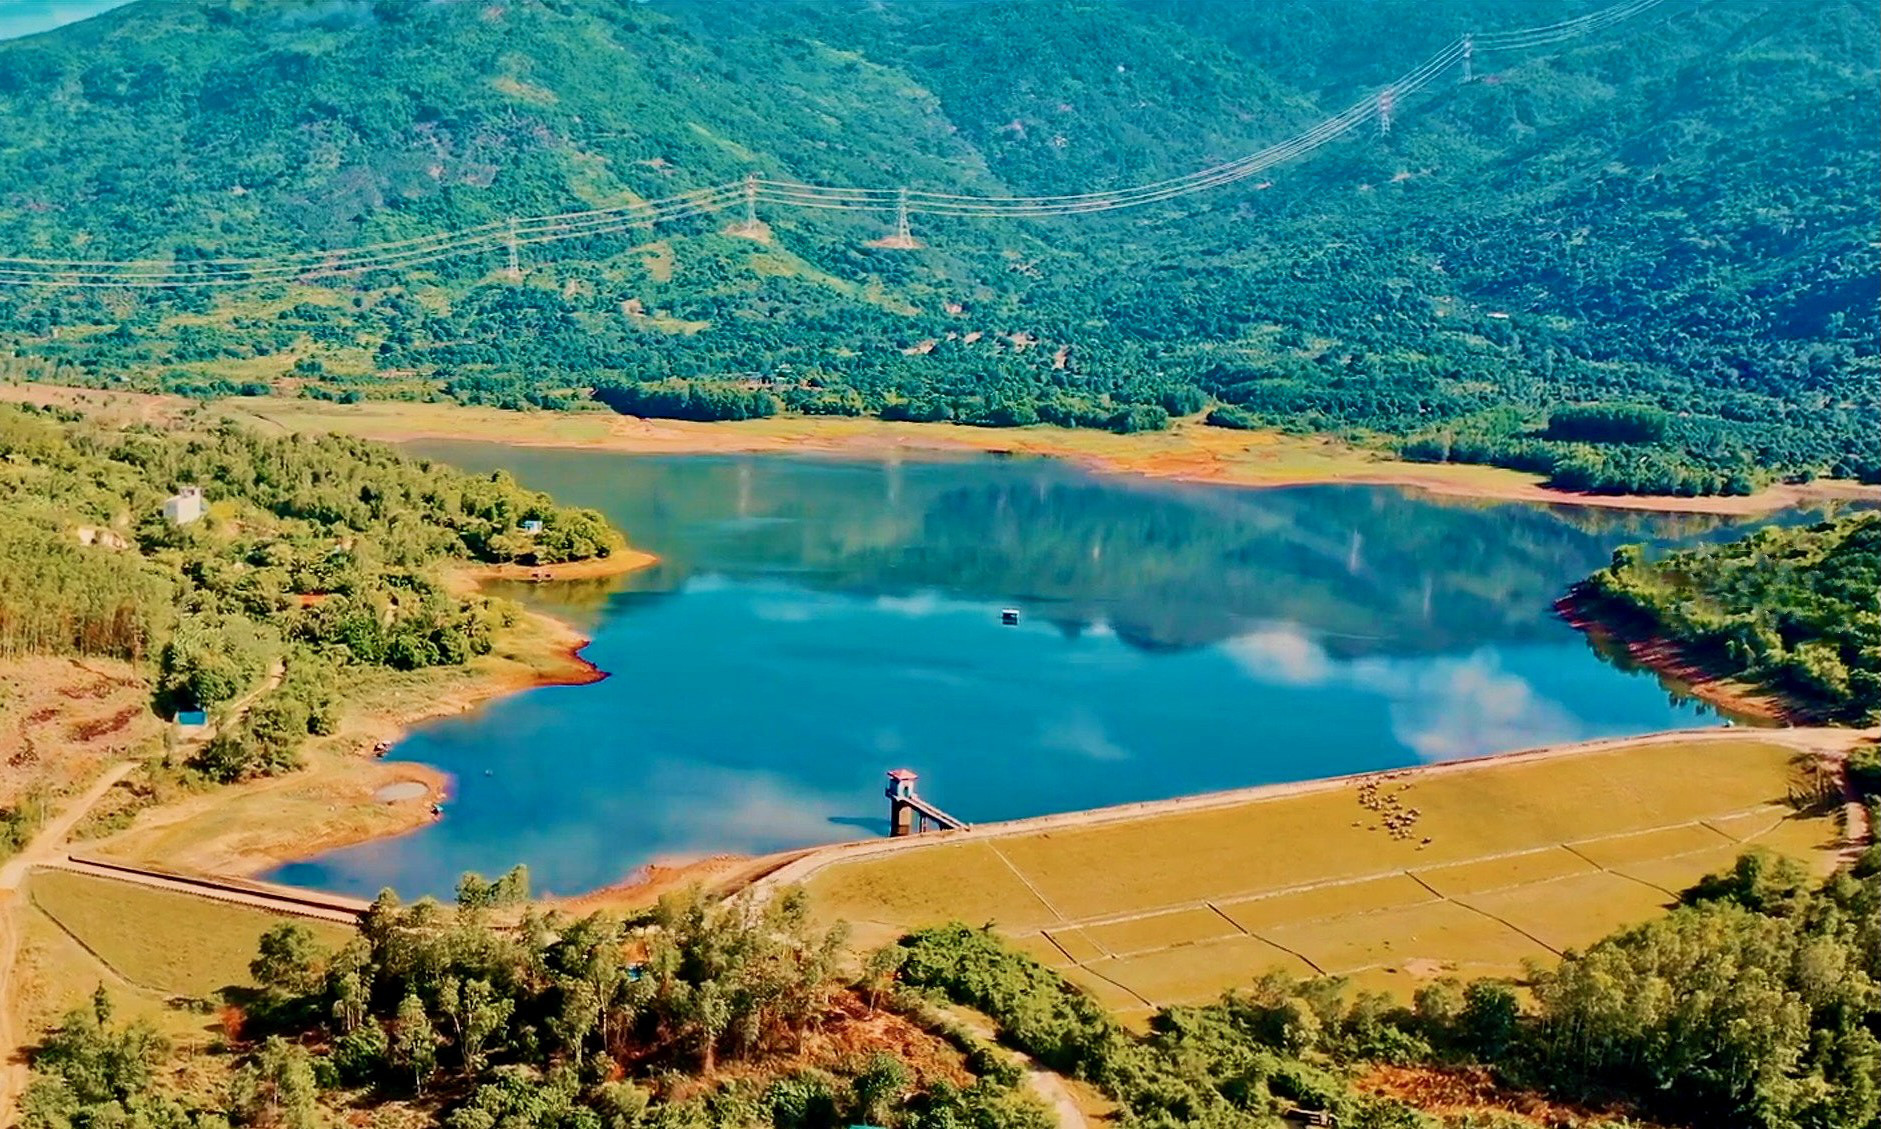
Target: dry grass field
[162,943]
[1497,864]
[146,948]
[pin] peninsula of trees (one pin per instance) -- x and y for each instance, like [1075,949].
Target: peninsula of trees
[1797,610]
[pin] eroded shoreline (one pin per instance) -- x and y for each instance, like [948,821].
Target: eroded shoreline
[1680,669]
[248,829]
[1189,451]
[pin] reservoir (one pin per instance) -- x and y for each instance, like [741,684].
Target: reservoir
[815,622]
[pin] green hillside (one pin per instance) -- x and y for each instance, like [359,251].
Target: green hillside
[319,560]
[1674,217]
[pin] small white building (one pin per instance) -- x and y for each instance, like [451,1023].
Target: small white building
[532,525]
[185,506]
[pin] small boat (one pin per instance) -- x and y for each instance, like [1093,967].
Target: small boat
[1009,617]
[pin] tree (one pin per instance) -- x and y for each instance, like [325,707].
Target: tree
[351,1000]
[1490,1020]
[414,1041]
[879,1088]
[278,1088]
[291,962]
[878,971]
[576,1019]
[706,1010]
[86,1063]
[476,1012]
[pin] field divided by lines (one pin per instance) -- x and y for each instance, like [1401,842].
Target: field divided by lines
[1468,871]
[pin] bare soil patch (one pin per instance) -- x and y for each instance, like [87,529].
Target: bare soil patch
[1190,450]
[1462,1091]
[62,720]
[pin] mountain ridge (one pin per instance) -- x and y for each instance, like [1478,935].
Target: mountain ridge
[1634,217]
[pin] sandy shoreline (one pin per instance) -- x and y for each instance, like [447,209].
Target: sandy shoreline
[559,662]
[1190,451]
[620,562]
[336,801]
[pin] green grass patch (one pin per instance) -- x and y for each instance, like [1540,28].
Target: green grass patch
[164,941]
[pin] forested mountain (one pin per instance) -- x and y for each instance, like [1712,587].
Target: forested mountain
[1673,217]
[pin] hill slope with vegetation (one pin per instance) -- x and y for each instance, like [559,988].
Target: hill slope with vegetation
[1715,1015]
[1751,1006]
[316,559]
[693,1016]
[1798,610]
[1672,219]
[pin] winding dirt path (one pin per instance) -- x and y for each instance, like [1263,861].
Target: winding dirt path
[45,847]
[1048,1085]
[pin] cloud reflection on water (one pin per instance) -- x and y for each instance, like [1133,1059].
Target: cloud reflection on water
[1081,734]
[708,809]
[1442,708]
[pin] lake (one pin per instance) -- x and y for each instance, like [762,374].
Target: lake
[815,622]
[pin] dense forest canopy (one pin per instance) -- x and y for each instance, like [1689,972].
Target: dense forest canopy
[1644,260]
[314,555]
[1796,609]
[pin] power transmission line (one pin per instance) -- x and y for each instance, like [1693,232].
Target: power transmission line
[508,236]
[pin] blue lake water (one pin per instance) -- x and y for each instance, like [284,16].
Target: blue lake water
[815,622]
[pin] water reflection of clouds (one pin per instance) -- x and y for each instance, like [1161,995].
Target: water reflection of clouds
[783,611]
[1442,708]
[746,811]
[1083,735]
[918,604]
[1469,707]
[1283,655]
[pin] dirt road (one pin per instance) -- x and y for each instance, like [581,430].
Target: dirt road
[45,846]
[1049,1086]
